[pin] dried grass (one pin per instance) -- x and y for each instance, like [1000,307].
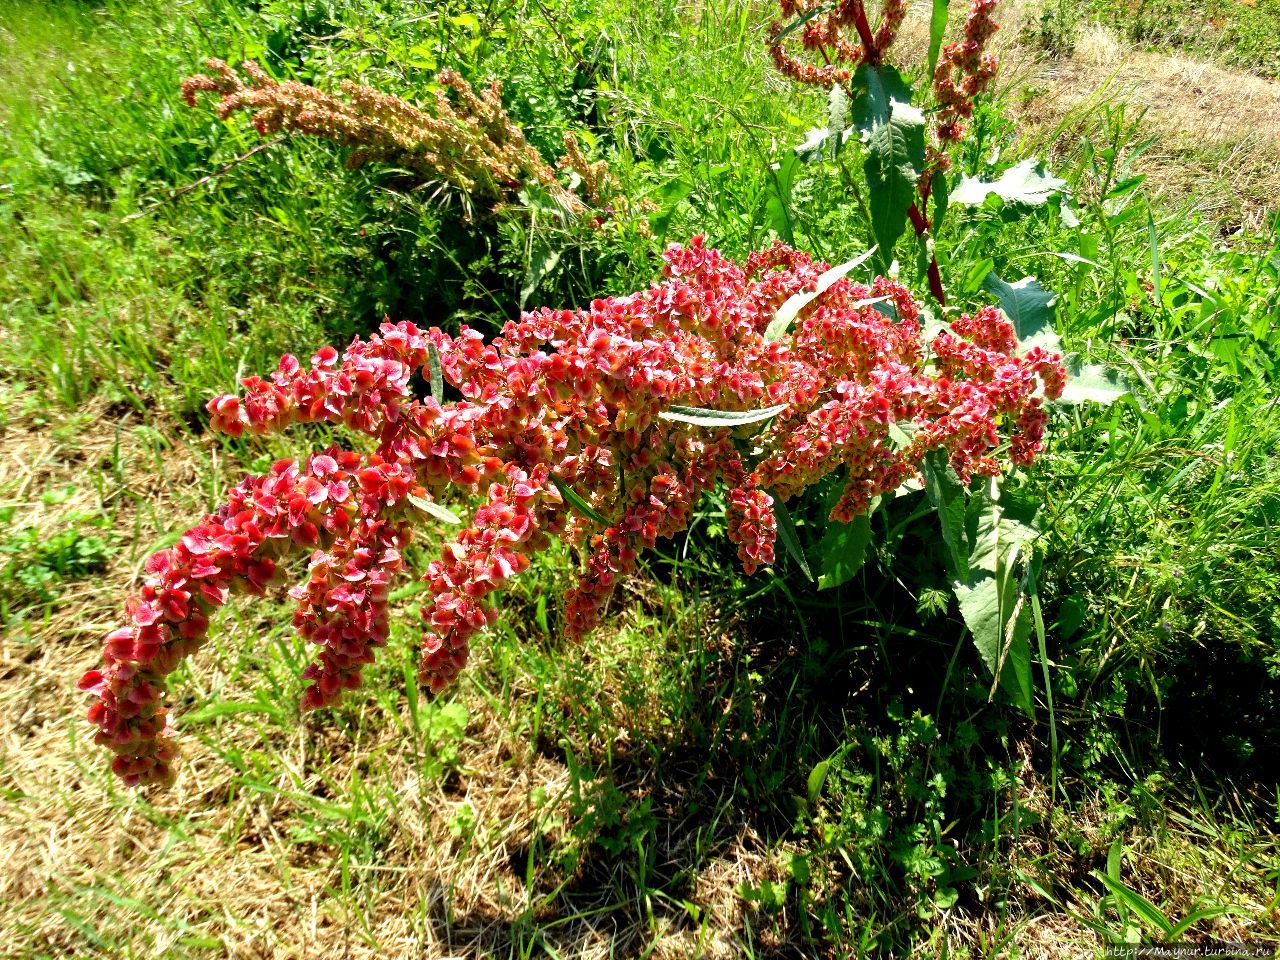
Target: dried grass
[1219,128]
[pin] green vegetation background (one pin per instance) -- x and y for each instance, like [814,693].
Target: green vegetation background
[894,806]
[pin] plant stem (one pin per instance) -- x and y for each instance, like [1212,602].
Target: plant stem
[921,224]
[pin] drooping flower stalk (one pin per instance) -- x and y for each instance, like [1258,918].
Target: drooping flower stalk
[841,36]
[465,138]
[565,400]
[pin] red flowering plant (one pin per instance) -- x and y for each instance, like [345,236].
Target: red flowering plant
[602,426]
[905,135]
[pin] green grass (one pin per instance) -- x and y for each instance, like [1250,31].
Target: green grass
[1241,33]
[733,766]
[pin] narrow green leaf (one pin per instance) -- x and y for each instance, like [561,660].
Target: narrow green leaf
[801,20]
[789,536]
[436,373]
[541,262]
[788,312]
[1026,184]
[946,493]
[434,509]
[1153,241]
[937,30]
[1205,913]
[1154,918]
[572,498]
[839,108]
[843,550]
[702,417]
[817,779]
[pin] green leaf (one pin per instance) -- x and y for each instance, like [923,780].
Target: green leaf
[671,194]
[839,108]
[895,159]
[702,417]
[1205,913]
[788,312]
[572,498]
[801,20]
[777,207]
[814,142]
[434,509]
[1092,383]
[227,708]
[817,779]
[939,189]
[878,93]
[789,536]
[844,550]
[993,599]
[436,373]
[1026,184]
[1029,307]
[1153,241]
[541,262]
[937,30]
[946,493]
[1139,905]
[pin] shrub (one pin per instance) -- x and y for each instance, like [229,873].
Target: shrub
[603,426]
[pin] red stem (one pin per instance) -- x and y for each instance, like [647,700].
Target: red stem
[921,223]
[870,54]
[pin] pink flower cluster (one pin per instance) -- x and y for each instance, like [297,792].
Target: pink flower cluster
[565,400]
[964,71]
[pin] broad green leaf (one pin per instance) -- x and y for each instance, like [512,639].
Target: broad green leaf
[789,536]
[788,312]
[671,194]
[1027,184]
[843,550]
[436,373]
[1092,383]
[702,417]
[1029,307]
[572,498]
[993,598]
[937,30]
[882,109]
[895,158]
[878,93]
[431,508]
[814,143]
